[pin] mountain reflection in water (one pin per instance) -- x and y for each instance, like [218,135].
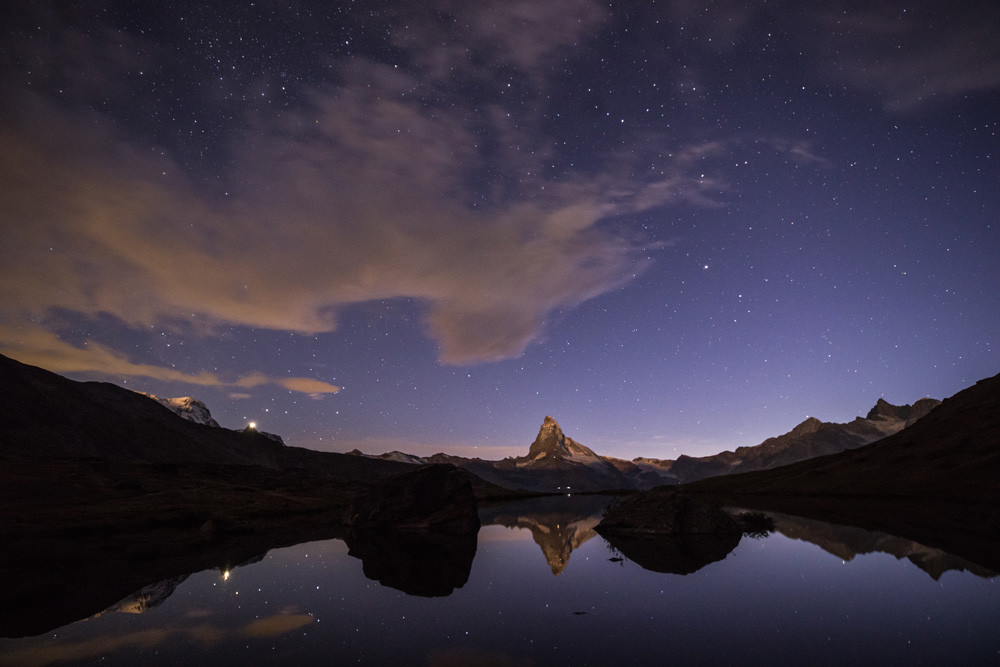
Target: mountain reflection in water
[847,542]
[296,596]
[558,524]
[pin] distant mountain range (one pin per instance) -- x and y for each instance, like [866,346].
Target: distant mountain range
[808,440]
[44,414]
[554,464]
[86,461]
[557,463]
[952,453]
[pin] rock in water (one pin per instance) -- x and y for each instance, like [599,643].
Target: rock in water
[674,554]
[664,511]
[432,497]
[427,563]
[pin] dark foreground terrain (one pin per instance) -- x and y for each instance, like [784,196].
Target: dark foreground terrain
[104,491]
[936,482]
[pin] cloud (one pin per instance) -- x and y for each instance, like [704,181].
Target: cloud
[801,152]
[63,651]
[314,388]
[276,625]
[913,54]
[909,54]
[364,191]
[480,38]
[40,347]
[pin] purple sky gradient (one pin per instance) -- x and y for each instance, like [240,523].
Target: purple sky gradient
[674,229]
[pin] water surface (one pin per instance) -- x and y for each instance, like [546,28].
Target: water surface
[543,588]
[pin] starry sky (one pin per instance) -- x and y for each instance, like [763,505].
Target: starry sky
[677,227]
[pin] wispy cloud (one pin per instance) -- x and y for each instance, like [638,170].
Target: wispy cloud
[908,54]
[915,54]
[360,193]
[40,347]
[276,625]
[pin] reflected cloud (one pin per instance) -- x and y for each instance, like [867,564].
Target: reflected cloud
[278,624]
[46,652]
[458,656]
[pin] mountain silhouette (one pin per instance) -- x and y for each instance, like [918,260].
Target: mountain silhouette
[952,453]
[809,439]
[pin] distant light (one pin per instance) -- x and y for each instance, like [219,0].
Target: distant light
[252,425]
[225,575]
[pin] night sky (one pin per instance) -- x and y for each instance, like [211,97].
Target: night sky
[676,227]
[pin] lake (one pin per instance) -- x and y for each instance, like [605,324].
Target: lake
[538,586]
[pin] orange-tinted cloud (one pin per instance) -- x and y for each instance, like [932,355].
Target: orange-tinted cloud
[39,347]
[360,194]
[308,386]
[277,624]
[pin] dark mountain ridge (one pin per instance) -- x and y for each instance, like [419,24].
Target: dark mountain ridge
[92,458]
[936,482]
[44,415]
[557,463]
[952,453]
[807,440]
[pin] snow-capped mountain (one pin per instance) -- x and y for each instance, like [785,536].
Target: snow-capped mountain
[558,463]
[394,455]
[189,408]
[554,463]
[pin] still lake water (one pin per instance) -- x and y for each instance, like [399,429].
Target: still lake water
[544,589]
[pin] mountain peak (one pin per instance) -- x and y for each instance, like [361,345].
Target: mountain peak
[189,408]
[885,410]
[551,444]
[550,440]
[810,425]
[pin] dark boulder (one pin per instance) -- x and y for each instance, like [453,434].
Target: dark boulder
[432,497]
[664,511]
[674,554]
[426,563]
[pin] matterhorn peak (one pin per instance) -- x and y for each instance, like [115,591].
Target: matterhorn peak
[550,440]
[551,425]
[551,443]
